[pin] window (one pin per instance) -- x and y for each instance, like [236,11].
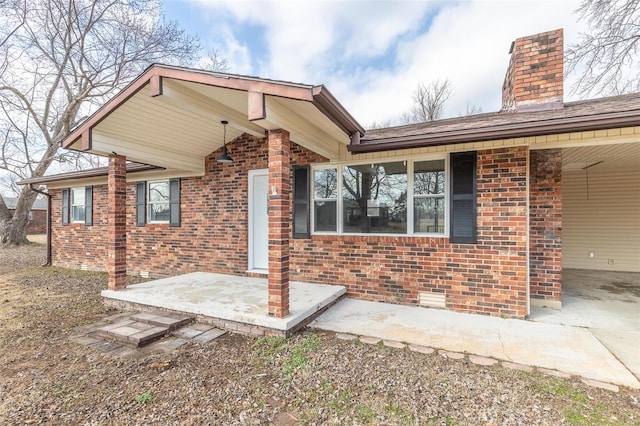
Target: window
[77,205]
[404,197]
[374,198]
[325,199]
[158,201]
[428,196]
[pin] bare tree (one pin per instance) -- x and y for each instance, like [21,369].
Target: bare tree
[472,109]
[429,101]
[59,60]
[214,61]
[608,51]
[378,124]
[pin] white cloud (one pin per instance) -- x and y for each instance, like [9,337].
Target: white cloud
[372,54]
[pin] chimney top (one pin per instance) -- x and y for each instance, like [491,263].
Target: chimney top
[534,78]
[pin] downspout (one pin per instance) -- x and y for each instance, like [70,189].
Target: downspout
[528,233]
[46,194]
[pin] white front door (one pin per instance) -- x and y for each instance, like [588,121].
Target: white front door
[258,219]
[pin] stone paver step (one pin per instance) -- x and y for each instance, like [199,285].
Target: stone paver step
[133,333]
[163,319]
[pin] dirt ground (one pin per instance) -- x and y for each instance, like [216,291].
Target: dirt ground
[308,379]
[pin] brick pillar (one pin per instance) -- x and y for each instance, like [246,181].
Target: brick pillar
[545,227]
[279,206]
[117,222]
[502,234]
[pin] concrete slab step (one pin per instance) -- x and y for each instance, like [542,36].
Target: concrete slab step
[133,333]
[163,319]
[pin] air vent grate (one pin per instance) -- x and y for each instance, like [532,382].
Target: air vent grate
[432,300]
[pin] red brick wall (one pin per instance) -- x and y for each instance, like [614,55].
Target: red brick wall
[488,277]
[545,224]
[77,244]
[214,215]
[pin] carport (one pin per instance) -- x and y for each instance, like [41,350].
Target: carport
[601,247]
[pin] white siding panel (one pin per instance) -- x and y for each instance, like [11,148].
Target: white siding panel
[602,217]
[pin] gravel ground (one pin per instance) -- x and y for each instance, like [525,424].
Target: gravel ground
[308,379]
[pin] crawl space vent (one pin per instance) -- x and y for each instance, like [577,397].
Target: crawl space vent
[144,274]
[432,300]
[84,267]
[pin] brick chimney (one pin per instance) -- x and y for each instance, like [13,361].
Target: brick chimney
[534,78]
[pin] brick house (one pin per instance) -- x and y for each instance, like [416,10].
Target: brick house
[37,215]
[474,214]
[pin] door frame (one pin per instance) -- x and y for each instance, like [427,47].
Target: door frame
[252,174]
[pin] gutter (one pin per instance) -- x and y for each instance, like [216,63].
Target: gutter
[46,194]
[508,131]
[338,114]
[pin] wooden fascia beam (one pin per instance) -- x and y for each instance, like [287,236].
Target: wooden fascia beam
[110,106]
[230,81]
[303,133]
[155,85]
[154,75]
[179,95]
[87,139]
[257,109]
[355,138]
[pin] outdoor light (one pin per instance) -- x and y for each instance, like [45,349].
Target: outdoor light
[224,158]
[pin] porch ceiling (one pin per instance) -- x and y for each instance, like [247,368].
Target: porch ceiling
[170,117]
[619,156]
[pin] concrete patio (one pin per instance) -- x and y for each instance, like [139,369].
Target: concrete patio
[595,336]
[605,303]
[236,303]
[572,350]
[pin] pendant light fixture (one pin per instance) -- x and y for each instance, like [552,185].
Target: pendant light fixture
[224,158]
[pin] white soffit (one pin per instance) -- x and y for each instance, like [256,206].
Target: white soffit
[179,128]
[619,156]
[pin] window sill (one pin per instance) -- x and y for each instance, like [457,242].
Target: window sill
[378,235]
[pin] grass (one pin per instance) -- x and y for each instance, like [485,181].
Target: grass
[291,353]
[579,410]
[144,398]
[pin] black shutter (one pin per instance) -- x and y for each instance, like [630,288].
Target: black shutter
[65,206]
[301,202]
[463,198]
[174,202]
[88,205]
[141,197]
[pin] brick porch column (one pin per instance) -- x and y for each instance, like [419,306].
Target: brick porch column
[545,227]
[117,222]
[279,208]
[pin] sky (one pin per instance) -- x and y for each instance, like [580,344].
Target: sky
[372,54]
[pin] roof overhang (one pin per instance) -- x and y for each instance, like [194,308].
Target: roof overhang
[170,117]
[98,175]
[503,131]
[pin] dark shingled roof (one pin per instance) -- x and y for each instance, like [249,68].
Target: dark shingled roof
[38,204]
[594,114]
[80,174]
